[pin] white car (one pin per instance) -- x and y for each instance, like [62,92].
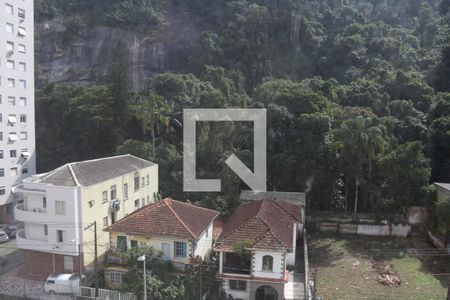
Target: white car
[3,236]
[62,283]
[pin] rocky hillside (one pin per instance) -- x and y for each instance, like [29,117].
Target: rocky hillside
[83,57]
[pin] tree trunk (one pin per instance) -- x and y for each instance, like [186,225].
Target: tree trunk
[356,193]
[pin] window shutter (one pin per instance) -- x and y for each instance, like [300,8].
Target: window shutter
[174,249]
[184,249]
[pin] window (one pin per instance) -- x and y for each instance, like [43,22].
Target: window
[9,46]
[133,244]
[2,190]
[180,249]
[105,221]
[24,170]
[10,64]
[12,100]
[267,263]
[22,66]
[142,182]
[11,83]
[1,117]
[2,172]
[9,9]
[13,137]
[12,153]
[14,172]
[22,32]
[9,27]
[22,101]
[104,196]
[148,179]
[23,118]
[1,136]
[23,84]
[91,203]
[22,48]
[136,183]
[45,230]
[24,135]
[240,285]
[136,203]
[60,236]
[60,208]
[68,263]
[12,119]
[114,277]
[125,191]
[113,192]
[21,13]
[44,202]
[1,154]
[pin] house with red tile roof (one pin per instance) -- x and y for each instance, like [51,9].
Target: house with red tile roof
[257,244]
[179,230]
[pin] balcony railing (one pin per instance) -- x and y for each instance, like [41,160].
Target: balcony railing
[34,215]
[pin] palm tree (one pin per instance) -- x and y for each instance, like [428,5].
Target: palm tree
[152,111]
[360,141]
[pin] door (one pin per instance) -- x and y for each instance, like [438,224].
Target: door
[113,217]
[165,248]
[122,243]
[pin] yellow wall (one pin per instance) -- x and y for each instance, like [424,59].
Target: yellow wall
[155,242]
[100,210]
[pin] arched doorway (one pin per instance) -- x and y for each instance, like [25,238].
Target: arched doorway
[266,292]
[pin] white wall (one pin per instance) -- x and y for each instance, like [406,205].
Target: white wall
[5,108]
[204,244]
[290,256]
[278,264]
[245,295]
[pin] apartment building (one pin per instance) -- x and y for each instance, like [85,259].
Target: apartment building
[17,136]
[60,205]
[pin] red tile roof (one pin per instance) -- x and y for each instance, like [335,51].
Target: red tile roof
[166,217]
[267,224]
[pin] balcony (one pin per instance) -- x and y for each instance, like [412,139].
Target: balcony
[235,264]
[27,243]
[37,215]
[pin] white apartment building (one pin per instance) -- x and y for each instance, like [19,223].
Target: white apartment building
[17,134]
[59,206]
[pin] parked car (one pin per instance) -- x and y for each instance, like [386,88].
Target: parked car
[62,283]
[3,236]
[10,230]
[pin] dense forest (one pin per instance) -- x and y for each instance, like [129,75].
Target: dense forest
[357,93]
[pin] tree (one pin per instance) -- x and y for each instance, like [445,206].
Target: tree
[360,141]
[152,111]
[406,172]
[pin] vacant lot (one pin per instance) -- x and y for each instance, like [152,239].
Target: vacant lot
[358,267]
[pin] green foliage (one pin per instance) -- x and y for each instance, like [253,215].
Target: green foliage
[443,214]
[241,248]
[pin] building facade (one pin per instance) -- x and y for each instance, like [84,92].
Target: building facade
[61,207]
[256,247]
[180,231]
[17,133]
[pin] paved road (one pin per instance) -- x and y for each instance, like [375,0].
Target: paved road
[14,257]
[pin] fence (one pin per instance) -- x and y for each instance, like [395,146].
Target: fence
[367,229]
[89,293]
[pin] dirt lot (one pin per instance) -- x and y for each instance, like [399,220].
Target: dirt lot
[358,267]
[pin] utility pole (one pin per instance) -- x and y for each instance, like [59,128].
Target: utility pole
[201,279]
[95,254]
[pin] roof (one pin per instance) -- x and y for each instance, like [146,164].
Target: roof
[91,172]
[267,224]
[445,186]
[167,217]
[293,197]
